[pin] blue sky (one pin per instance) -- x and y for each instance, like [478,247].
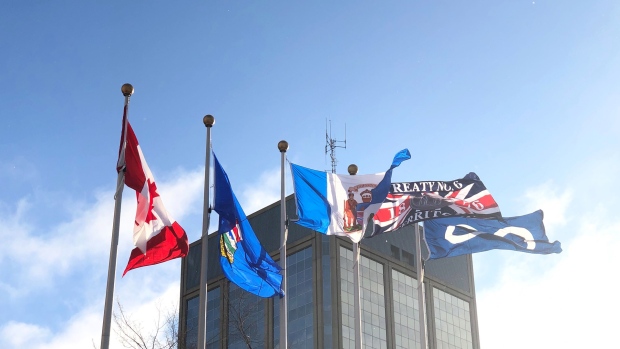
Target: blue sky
[524,93]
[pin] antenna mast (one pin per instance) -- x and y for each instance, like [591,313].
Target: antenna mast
[331,144]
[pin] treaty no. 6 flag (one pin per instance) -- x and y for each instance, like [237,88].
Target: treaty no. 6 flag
[157,237]
[412,202]
[448,237]
[244,261]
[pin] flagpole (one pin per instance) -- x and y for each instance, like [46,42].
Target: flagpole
[356,282]
[209,121]
[283,147]
[127,91]
[420,273]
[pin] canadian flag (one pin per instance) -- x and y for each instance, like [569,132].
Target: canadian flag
[158,238]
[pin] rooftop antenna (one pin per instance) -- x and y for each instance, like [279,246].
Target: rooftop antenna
[331,144]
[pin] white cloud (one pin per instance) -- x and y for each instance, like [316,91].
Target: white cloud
[43,253]
[84,328]
[73,255]
[39,254]
[265,190]
[553,204]
[565,302]
[184,194]
[18,335]
[556,301]
[149,307]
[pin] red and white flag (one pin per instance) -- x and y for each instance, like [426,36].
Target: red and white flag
[157,237]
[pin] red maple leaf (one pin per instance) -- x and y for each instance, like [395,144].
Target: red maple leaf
[152,195]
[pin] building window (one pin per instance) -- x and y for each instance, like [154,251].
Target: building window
[192,267]
[452,321]
[395,252]
[406,311]
[246,319]
[213,320]
[372,302]
[299,274]
[326,274]
[214,328]
[191,323]
[408,258]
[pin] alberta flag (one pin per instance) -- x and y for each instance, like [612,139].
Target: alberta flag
[448,237]
[341,205]
[243,259]
[157,237]
[412,202]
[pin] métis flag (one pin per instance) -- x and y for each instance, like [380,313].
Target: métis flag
[341,205]
[158,238]
[411,202]
[448,237]
[244,261]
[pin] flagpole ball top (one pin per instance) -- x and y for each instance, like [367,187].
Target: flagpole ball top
[127,90]
[283,146]
[352,169]
[208,120]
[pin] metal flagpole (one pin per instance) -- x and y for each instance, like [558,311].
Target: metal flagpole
[209,121]
[356,283]
[127,91]
[420,273]
[283,147]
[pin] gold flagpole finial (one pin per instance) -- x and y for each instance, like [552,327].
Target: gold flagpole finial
[283,146]
[352,169]
[208,120]
[127,90]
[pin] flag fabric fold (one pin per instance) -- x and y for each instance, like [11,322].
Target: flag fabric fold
[411,202]
[448,237]
[158,238]
[244,261]
[340,205]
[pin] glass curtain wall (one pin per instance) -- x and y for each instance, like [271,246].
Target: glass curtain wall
[246,319]
[389,308]
[300,277]
[406,310]
[372,302]
[452,321]
[213,336]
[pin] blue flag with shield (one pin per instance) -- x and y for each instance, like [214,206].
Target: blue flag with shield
[244,261]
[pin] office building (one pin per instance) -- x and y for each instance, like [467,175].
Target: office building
[320,294]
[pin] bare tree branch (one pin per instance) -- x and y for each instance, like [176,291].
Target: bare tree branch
[242,308]
[132,335]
